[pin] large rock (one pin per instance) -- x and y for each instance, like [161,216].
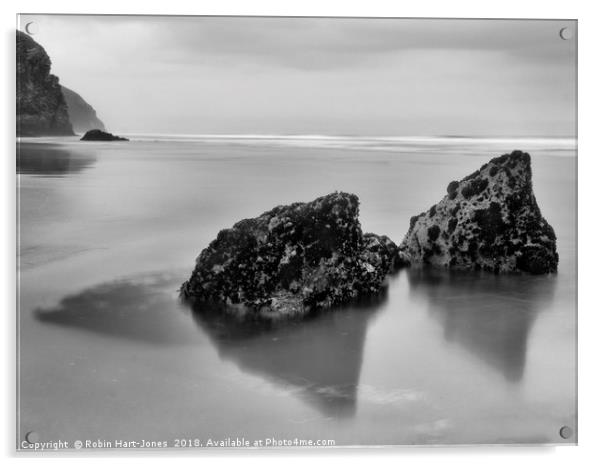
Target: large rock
[81,114]
[41,107]
[293,259]
[98,135]
[489,220]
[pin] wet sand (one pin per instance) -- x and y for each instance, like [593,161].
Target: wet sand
[108,231]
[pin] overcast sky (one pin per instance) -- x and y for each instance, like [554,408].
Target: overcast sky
[374,77]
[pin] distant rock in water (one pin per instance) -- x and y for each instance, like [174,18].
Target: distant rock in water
[81,114]
[41,106]
[98,135]
[293,259]
[489,220]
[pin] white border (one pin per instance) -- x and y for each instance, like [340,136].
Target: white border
[589,211]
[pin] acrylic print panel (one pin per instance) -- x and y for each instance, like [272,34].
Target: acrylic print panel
[417,284]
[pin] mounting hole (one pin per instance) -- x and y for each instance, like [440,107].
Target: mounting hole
[31,28]
[566,432]
[566,33]
[32,437]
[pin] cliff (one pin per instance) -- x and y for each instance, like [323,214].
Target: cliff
[81,114]
[41,106]
[489,220]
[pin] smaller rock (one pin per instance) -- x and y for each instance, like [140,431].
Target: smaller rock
[381,249]
[98,135]
[489,220]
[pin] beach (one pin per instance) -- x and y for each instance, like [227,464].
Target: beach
[108,232]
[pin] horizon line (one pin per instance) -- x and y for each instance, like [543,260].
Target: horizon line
[340,136]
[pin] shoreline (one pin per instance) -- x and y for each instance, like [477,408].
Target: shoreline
[538,147]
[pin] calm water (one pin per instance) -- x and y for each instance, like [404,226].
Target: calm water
[108,231]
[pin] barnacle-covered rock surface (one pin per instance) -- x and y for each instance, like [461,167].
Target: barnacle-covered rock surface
[489,220]
[293,259]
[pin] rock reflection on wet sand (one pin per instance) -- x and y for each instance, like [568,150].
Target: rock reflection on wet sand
[318,357]
[489,315]
[321,353]
[52,159]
